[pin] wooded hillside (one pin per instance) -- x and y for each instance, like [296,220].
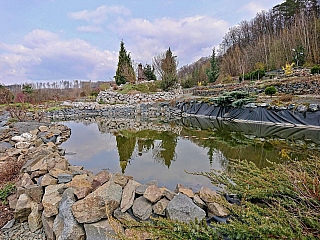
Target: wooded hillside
[288,33]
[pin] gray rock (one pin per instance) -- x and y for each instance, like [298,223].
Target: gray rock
[142,208]
[47,223]
[183,209]
[9,224]
[4,146]
[64,178]
[65,225]
[102,230]
[141,189]
[123,217]
[167,193]
[128,195]
[160,207]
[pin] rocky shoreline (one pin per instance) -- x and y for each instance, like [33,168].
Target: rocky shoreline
[60,200]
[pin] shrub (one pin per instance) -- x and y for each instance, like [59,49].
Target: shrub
[6,191]
[315,69]
[270,90]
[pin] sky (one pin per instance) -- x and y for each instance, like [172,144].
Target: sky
[53,40]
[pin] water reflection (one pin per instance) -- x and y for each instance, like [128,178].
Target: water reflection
[163,151]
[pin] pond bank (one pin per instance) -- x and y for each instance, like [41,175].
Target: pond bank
[67,200]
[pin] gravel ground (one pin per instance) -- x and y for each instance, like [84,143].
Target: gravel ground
[21,231]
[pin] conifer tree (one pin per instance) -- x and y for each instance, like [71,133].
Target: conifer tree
[213,71]
[148,71]
[166,66]
[125,72]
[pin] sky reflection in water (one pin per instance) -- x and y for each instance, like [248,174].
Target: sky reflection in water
[165,156]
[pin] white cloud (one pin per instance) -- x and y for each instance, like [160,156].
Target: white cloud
[44,55]
[90,28]
[253,8]
[189,38]
[100,14]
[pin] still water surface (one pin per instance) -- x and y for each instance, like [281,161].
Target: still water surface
[165,151]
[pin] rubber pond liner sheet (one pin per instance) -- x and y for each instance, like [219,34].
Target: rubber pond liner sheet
[260,115]
[257,130]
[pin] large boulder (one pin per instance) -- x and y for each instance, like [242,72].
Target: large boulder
[34,218]
[142,208]
[153,193]
[97,204]
[35,192]
[47,223]
[81,184]
[211,198]
[65,225]
[215,209]
[183,209]
[208,195]
[160,207]
[128,195]
[100,178]
[47,180]
[23,208]
[120,179]
[51,199]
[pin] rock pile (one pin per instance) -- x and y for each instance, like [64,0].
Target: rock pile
[69,202]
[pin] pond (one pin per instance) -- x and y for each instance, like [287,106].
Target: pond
[166,151]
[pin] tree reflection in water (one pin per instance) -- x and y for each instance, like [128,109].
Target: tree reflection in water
[162,144]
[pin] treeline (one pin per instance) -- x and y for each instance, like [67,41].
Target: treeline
[289,32]
[58,91]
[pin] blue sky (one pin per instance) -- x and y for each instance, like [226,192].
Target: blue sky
[53,40]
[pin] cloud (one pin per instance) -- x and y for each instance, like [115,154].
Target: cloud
[43,55]
[189,38]
[253,7]
[100,14]
[90,29]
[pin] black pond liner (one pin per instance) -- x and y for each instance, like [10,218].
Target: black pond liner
[253,115]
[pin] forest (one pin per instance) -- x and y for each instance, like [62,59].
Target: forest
[287,33]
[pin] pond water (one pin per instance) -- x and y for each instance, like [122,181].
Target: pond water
[153,150]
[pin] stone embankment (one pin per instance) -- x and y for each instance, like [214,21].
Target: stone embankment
[67,202]
[76,110]
[112,97]
[308,87]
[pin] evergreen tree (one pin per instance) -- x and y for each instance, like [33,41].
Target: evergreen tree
[213,71]
[149,72]
[166,66]
[125,72]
